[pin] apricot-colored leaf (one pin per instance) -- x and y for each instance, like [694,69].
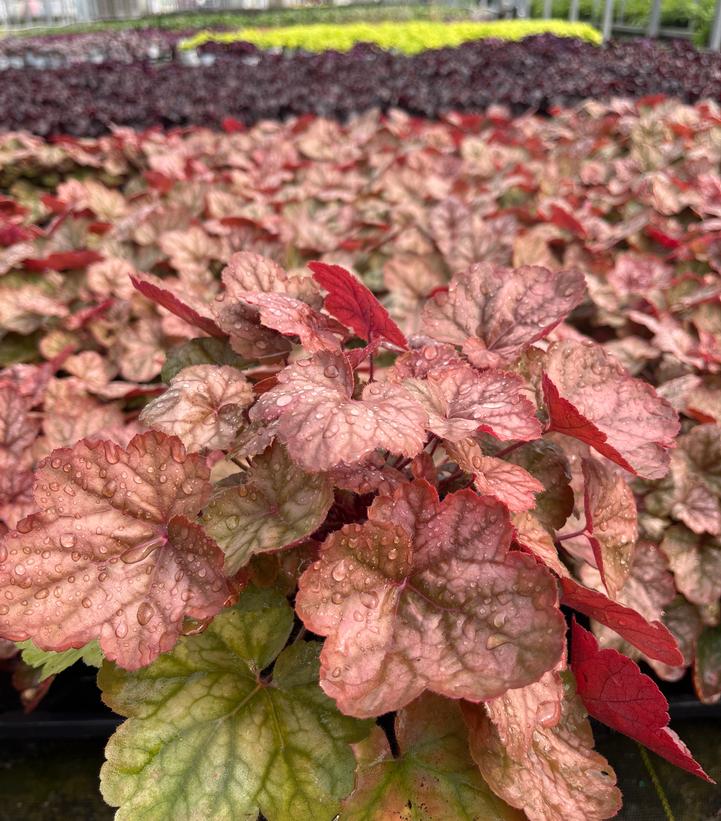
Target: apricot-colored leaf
[617,693]
[508,483]
[611,522]
[162,293]
[277,504]
[533,536]
[432,774]
[18,428]
[209,738]
[248,273]
[695,560]
[707,666]
[291,317]
[203,406]
[113,555]
[494,312]
[354,305]
[534,747]
[592,398]
[460,401]
[323,426]
[426,596]
[651,637]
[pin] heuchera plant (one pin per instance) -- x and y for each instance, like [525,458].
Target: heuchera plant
[327,522]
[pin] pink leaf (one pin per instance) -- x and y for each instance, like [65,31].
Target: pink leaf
[162,294]
[248,273]
[203,406]
[651,637]
[611,522]
[425,595]
[617,693]
[355,306]
[592,398]
[291,317]
[113,555]
[461,401]
[323,426]
[495,313]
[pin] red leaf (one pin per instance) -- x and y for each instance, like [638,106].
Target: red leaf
[652,638]
[64,261]
[564,219]
[355,306]
[161,295]
[617,693]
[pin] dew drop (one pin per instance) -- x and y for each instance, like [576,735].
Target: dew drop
[145,613]
[548,713]
[86,603]
[496,640]
[121,631]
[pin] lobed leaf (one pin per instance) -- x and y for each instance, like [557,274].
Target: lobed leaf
[209,737]
[291,317]
[548,769]
[277,504]
[508,483]
[611,522]
[495,313]
[112,555]
[432,777]
[461,401]
[203,406]
[50,664]
[425,595]
[592,398]
[323,426]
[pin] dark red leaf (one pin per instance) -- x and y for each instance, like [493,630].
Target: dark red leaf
[172,303]
[652,638]
[63,261]
[617,693]
[355,306]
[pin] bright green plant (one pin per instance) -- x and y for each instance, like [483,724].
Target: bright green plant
[410,37]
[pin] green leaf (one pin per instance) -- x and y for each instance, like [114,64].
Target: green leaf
[208,737]
[16,348]
[546,462]
[51,663]
[201,351]
[278,505]
[433,779]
